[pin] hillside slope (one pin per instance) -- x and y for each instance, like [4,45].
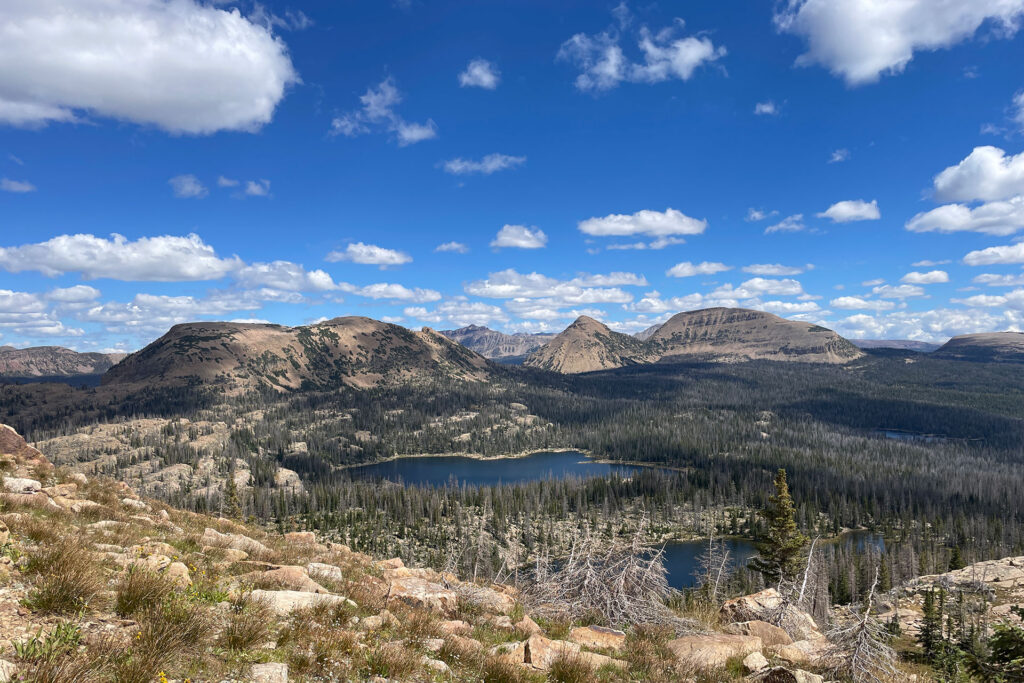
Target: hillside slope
[353,351]
[53,361]
[586,346]
[100,585]
[990,347]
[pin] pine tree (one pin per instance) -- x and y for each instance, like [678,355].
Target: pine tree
[780,549]
[956,559]
[930,635]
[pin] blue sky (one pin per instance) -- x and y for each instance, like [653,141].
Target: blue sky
[855,163]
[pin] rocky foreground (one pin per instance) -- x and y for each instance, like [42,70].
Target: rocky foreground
[98,584]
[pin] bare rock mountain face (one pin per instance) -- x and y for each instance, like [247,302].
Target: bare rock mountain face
[727,334]
[586,346]
[714,334]
[53,361]
[497,345]
[990,347]
[353,351]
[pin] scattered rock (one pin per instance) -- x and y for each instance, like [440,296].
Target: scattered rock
[328,571]
[501,623]
[436,665]
[236,541]
[528,627]
[781,674]
[5,534]
[379,621]
[422,594]
[598,638]
[133,504]
[291,577]
[768,633]
[712,651]
[761,606]
[21,485]
[269,673]
[393,563]
[455,628]
[755,661]
[283,602]
[540,653]
[7,671]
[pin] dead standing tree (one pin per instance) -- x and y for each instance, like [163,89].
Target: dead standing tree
[622,583]
[860,650]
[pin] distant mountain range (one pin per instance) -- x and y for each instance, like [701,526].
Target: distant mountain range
[354,351]
[498,345]
[53,361]
[713,334]
[902,344]
[361,352]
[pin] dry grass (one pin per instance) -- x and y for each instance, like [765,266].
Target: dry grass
[249,623]
[569,667]
[500,670]
[139,590]
[648,655]
[66,577]
[392,661]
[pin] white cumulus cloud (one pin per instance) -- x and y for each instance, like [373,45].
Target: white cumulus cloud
[603,64]
[369,254]
[452,247]
[519,237]
[862,39]
[794,223]
[181,65]
[165,258]
[986,174]
[860,303]
[687,269]
[187,187]
[378,113]
[992,218]
[930,278]
[768,108]
[852,210]
[480,73]
[1010,253]
[666,223]
[775,269]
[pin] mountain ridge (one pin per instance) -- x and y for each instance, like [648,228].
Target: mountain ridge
[496,345]
[715,334]
[353,351]
[53,361]
[992,347]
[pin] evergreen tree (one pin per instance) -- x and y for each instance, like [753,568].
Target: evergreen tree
[780,549]
[956,559]
[930,635]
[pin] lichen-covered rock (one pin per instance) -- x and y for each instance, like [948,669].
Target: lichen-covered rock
[755,661]
[21,485]
[283,602]
[214,538]
[766,606]
[422,594]
[713,651]
[598,638]
[768,633]
[268,673]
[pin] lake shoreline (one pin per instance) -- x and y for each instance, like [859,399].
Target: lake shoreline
[477,456]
